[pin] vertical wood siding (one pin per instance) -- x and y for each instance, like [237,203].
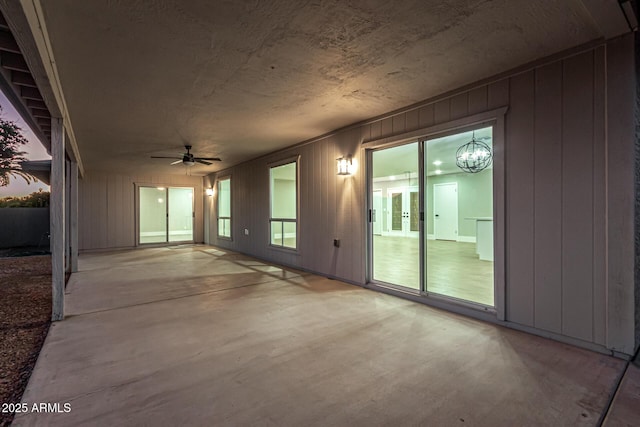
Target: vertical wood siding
[107,216]
[555,194]
[564,203]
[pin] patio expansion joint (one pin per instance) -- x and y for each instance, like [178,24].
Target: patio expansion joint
[181,297]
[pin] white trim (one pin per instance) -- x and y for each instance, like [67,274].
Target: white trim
[431,237]
[466,239]
[35,17]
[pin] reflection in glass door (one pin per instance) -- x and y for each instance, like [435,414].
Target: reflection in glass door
[396,248]
[165,214]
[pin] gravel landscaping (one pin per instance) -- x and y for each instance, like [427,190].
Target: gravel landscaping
[25,314]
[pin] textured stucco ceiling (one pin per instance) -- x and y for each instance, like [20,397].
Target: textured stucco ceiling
[238,79]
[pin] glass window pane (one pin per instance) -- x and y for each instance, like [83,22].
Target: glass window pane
[276,233]
[224,198]
[283,191]
[180,214]
[224,227]
[396,216]
[153,215]
[459,220]
[289,237]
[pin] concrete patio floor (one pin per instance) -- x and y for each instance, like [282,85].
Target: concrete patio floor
[196,335]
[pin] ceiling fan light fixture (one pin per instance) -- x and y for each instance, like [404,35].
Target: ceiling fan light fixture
[188,163]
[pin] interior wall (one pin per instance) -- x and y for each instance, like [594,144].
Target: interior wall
[283,199]
[106,205]
[386,206]
[568,193]
[475,199]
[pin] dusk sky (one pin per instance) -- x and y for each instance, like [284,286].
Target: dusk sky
[35,151]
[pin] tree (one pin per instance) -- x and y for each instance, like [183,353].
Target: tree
[11,140]
[38,199]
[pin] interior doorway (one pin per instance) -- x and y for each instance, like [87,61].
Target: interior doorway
[165,214]
[445,211]
[377,213]
[403,211]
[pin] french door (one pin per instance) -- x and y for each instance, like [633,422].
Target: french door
[165,214]
[403,209]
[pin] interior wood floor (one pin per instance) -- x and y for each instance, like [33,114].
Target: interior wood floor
[453,268]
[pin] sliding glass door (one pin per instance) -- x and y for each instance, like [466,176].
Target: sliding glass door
[165,214]
[431,216]
[458,207]
[396,243]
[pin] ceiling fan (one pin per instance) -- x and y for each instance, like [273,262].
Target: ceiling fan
[188,159]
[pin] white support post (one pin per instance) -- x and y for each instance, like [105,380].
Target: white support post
[73,215]
[57,220]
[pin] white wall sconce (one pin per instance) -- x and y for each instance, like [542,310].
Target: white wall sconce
[345,165]
[209,192]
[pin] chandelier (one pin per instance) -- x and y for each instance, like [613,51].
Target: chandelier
[474,156]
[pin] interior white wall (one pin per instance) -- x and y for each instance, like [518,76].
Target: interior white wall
[475,199]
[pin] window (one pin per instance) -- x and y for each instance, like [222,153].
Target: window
[224,207]
[283,221]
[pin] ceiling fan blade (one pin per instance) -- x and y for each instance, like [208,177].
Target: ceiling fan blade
[163,157]
[176,162]
[204,162]
[215,159]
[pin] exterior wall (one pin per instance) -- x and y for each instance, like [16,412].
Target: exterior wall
[107,215]
[24,227]
[568,194]
[637,192]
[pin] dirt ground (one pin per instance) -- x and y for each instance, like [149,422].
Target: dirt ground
[25,314]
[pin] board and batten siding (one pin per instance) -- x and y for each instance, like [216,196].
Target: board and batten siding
[107,207]
[568,192]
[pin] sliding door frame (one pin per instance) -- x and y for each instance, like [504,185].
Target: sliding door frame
[495,119]
[137,227]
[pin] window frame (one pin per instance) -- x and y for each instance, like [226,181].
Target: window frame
[293,159]
[218,217]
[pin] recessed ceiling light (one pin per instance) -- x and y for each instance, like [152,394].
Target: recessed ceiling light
[438,171]
[437,162]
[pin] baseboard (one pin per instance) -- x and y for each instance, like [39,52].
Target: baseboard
[466,239]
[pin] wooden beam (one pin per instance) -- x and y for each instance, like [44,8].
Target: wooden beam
[42,121]
[22,79]
[32,103]
[38,112]
[3,22]
[57,222]
[8,43]
[14,61]
[30,93]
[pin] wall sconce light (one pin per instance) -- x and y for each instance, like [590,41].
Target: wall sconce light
[209,192]
[345,165]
